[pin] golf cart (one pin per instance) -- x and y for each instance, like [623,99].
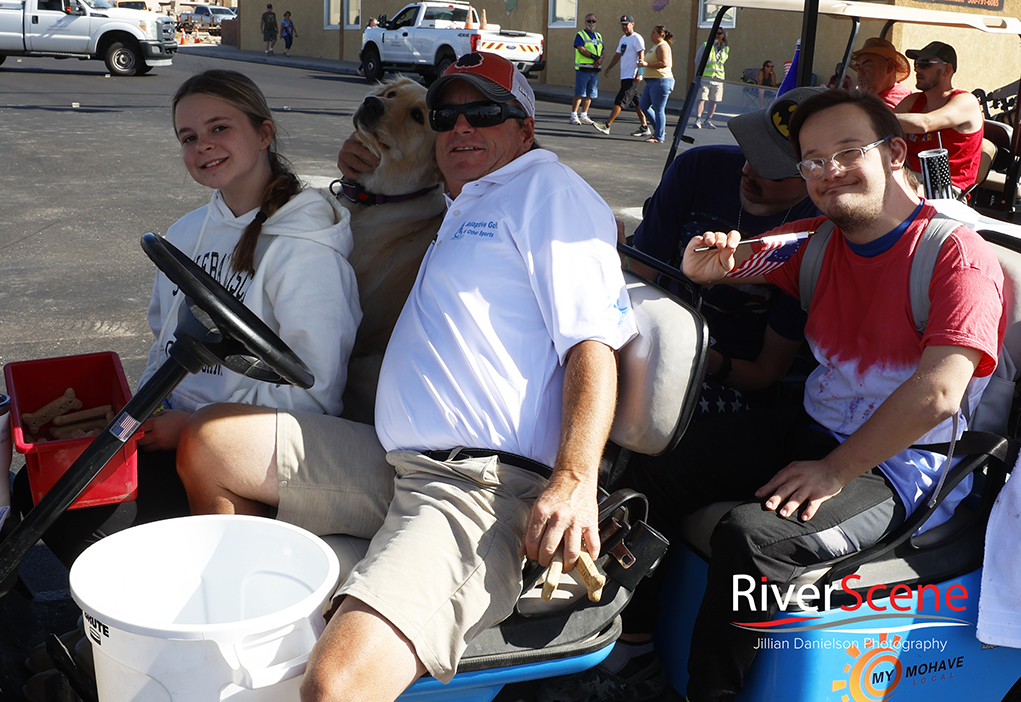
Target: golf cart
[660,376]
[871,641]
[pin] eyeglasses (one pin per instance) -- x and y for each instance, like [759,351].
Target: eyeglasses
[922,64]
[478,114]
[719,34]
[588,21]
[846,160]
[769,65]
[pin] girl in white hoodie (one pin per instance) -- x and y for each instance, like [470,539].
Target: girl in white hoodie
[279,249]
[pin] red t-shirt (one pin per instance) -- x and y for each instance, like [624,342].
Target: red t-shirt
[861,330]
[893,95]
[964,150]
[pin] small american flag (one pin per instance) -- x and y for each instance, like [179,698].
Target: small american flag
[769,252]
[124,427]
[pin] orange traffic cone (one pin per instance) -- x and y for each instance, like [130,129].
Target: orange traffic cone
[468,20]
[197,38]
[183,35]
[482,23]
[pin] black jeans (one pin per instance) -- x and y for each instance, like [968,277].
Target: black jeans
[729,458]
[160,496]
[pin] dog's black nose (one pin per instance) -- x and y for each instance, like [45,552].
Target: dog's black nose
[370,112]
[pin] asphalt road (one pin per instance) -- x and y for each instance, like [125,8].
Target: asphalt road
[89,163]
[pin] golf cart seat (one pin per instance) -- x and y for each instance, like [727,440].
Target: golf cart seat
[996,145]
[949,555]
[660,375]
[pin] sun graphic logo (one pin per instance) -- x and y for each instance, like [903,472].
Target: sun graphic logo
[875,672]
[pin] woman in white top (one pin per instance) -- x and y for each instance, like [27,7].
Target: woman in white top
[659,79]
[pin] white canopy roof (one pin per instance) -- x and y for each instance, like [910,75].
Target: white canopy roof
[997,24]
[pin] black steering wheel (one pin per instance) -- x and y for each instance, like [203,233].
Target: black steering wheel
[248,346]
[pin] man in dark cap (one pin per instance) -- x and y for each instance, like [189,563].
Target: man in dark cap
[941,117]
[630,54]
[268,27]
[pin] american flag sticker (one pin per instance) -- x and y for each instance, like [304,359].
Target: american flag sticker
[770,252]
[124,427]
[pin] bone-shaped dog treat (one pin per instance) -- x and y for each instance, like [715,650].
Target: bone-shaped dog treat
[69,431]
[65,403]
[553,573]
[594,580]
[75,417]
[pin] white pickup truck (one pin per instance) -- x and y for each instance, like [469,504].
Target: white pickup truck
[132,42]
[426,37]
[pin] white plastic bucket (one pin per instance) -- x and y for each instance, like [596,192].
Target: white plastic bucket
[204,608]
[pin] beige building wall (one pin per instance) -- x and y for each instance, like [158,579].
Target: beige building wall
[986,61]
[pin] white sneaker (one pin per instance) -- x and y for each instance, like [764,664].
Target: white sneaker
[584,118]
[710,125]
[602,127]
[575,120]
[698,124]
[642,131]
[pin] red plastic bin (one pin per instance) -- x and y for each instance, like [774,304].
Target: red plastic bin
[98,379]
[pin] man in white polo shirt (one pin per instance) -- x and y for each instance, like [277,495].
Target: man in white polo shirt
[506,343]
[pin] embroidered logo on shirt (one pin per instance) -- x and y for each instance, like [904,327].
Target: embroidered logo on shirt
[486,230]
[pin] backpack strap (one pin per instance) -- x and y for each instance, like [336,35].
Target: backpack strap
[811,262]
[924,263]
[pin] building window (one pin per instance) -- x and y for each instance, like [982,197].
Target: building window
[707,15]
[563,13]
[353,14]
[332,9]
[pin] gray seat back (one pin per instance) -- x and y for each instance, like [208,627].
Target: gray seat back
[660,370]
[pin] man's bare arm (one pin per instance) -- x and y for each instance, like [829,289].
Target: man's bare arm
[961,113]
[616,58]
[921,402]
[566,511]
[770,366]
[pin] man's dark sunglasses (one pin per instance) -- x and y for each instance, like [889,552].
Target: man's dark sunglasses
[478,114]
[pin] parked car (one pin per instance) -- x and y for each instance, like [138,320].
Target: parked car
[207,17]
[426,37]
[130,41]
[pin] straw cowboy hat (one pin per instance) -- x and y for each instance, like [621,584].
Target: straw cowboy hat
[875,45]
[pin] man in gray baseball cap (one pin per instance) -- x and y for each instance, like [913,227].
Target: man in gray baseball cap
[763,135]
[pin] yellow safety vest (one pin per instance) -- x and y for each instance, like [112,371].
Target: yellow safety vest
[593,46]
[714,66]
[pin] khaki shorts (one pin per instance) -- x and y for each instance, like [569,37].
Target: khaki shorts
[442,565]
[712,91]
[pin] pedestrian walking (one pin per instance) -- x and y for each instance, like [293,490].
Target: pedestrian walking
[287,32]
[659,82]
[268,27]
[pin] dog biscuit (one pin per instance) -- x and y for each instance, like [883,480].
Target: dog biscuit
[553,573]
[594,580]
[64,403]
[81,416]
[68,431]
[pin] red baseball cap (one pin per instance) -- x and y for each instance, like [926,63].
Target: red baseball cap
[493,76]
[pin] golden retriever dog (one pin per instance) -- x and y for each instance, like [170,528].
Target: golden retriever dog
[395,213]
